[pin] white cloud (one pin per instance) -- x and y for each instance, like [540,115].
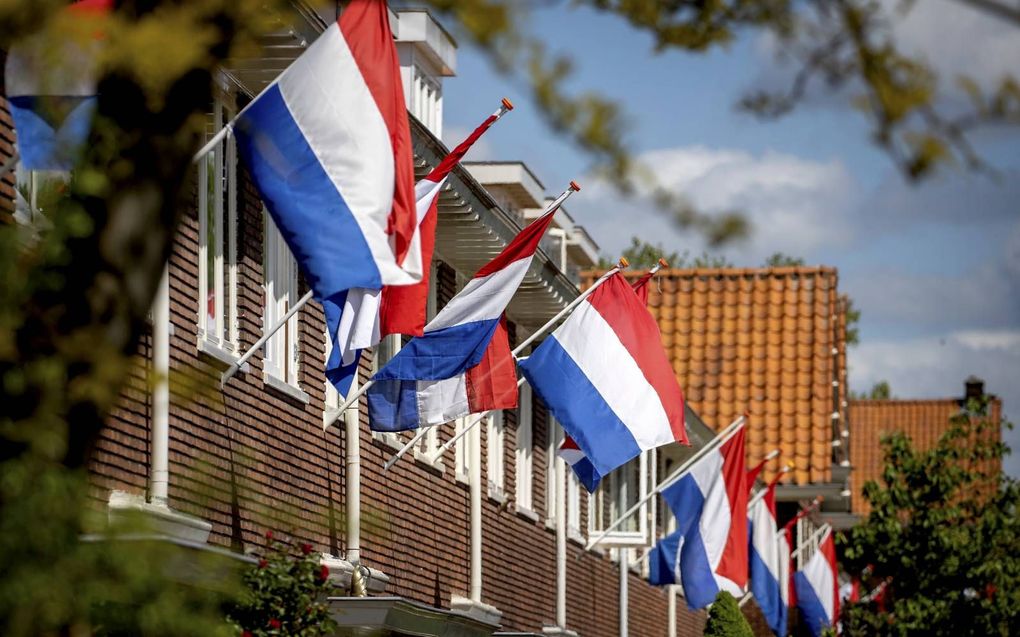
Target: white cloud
[935,367]
[795,205]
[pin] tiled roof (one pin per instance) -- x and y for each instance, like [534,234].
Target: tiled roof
[924,421]
[768,341]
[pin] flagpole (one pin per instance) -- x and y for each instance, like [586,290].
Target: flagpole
[761,493]
[449,443]
[332,418]
[233,369]
[712,444]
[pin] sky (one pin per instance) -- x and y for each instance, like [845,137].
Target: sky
[934,268]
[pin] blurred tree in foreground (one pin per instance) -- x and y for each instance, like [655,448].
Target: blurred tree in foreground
[939,554]
[725,618]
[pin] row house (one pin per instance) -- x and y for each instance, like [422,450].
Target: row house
[490,537]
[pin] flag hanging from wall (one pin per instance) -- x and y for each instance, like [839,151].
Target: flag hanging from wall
[764,559]
[710,505]
[362,317]
[817,587]
[329,147]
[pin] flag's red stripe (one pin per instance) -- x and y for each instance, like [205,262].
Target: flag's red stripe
[455,155]
[402,307]
[523,246]
[828,549]
[616,302]
[365,25]
[492,383]
[641,287]
[733,564]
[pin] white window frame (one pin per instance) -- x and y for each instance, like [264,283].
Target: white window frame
[554,435]
[461,452]
[495,444]
[220,337]
[524,457]
[382,353]
[281,360]
[574,488]
[615,493]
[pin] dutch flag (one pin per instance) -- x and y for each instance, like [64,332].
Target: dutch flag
[817,587]
[329,147]
[605,377]
[710,505]
[462,362]
[52,95]
[364,316]
[765,558]
[568,450]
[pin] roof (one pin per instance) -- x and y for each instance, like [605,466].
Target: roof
[923,421]
[768,341]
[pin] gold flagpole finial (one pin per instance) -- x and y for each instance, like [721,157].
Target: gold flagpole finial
[507,104]
[663,263]
[574,186]
[624,263]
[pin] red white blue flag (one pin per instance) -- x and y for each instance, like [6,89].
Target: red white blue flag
[817,587]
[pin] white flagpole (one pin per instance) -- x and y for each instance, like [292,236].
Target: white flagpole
[265,337]
[715,442]
[333,417]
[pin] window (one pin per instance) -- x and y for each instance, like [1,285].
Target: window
[36,194]
[217,237]
[574,506]
[523,459]
[427,101]
[281,286]
[495,444]
[619,491]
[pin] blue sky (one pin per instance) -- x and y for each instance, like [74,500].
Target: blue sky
[935,269]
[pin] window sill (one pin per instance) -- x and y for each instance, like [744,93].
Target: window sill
[286,389]
[526,513]
[220,355]
[430,461]
[388,439]
[573,535]
[497,495]
[463,478]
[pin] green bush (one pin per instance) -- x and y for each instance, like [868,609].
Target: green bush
[725,618]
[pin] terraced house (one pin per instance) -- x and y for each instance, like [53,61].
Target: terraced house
[489,537]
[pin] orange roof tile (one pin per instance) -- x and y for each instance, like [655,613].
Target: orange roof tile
[924,421]
[760,340]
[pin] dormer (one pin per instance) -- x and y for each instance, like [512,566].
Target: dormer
[427,55]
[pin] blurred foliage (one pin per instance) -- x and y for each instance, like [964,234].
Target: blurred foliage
[846,47]
[782,260]
[942,537]
[641,254]
[285,594]
[725,618]
[879,391]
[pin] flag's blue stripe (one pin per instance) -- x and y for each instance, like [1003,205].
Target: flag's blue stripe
[765,589]
[579,407]
[686,501]
[810,606]
[586,473]
[662,559]
[340,375]
[700,587]
[45,144]
[393,405]
[440,354]
[308,209]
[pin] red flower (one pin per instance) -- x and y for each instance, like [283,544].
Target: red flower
[275,623]
[246,633]
[263,563]
[306,548]
[269,535]
[324,573]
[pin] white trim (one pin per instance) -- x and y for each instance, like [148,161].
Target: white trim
[524,452]
[281,359]
[495,444]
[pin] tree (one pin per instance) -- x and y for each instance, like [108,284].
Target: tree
[941,539]
[879,391]
[844,46]
[725,618]
[782,260]
[642,254]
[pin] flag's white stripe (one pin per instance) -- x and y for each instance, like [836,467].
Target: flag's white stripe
[359,323]
[425,192]
[819,574]
[482,299]
[764,537]
[784,569]
[441,401]
[714,524]
[571,456]
[332,106]
[598,352]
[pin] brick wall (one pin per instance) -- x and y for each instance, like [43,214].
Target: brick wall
[249,459]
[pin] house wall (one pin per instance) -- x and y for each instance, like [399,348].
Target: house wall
[249,459]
